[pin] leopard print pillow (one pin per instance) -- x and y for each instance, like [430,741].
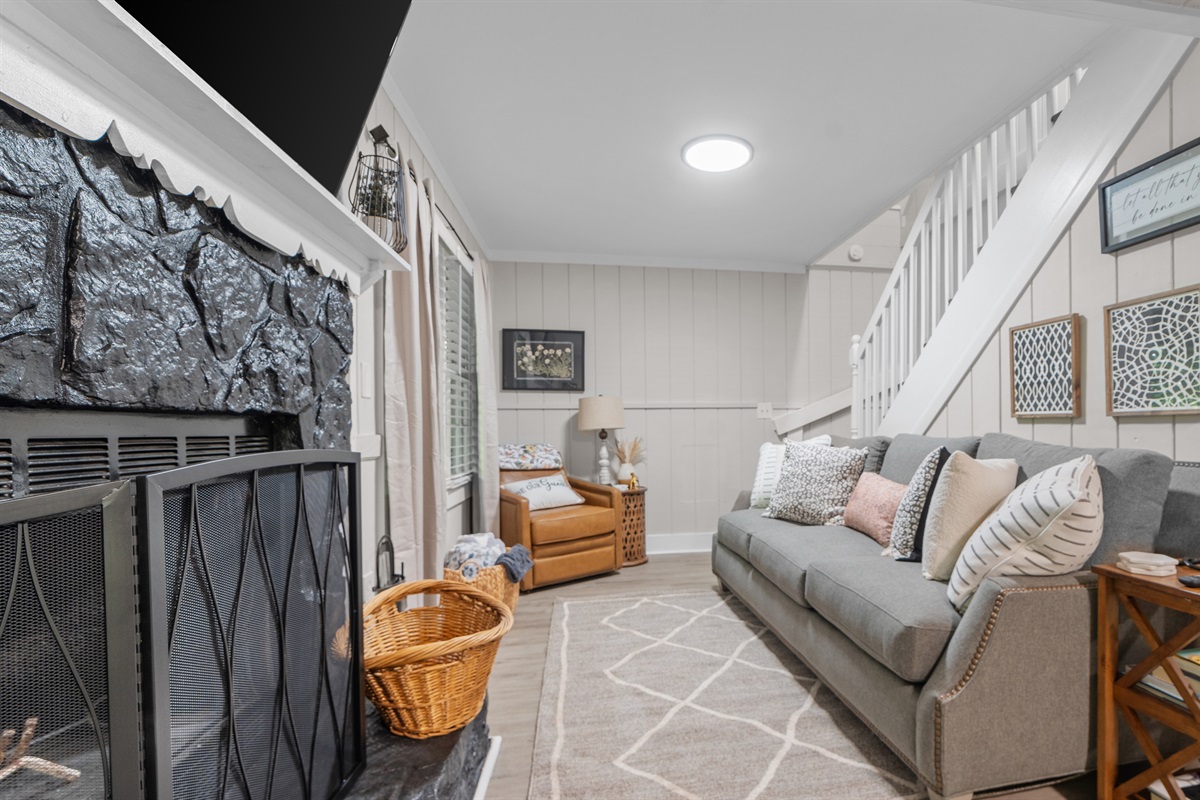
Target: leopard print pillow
[815,483]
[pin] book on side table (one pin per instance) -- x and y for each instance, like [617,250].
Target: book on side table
[1189,783]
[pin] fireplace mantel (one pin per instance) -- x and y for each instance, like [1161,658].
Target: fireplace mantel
[88,68]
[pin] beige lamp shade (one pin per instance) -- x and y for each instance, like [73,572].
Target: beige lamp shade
[596,413]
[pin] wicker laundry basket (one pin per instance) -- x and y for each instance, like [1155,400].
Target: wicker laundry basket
[493,580]
[427,668]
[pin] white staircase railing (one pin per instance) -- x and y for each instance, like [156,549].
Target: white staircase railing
[918,339]
[952,226]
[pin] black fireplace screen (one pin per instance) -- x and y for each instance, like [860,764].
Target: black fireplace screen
[68,686]
[215,655]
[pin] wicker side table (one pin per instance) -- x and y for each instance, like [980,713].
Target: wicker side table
[633,526]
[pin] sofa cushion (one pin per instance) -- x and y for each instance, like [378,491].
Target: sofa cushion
[1180,512]
[876,449]
[815,483]
[872,506]
[783,551]
[569,522]
[735,529]
[887,608]
[908,527]
[907,451]
[1049,525]
[1134,482]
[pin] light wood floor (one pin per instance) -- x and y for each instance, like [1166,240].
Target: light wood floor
[516,683]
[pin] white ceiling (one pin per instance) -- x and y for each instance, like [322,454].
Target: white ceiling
[557,126]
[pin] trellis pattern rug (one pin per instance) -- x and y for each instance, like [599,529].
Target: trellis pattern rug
[684,695]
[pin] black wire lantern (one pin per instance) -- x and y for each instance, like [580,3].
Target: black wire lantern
[378,193]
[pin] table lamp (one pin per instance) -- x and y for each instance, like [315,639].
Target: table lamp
[600,414]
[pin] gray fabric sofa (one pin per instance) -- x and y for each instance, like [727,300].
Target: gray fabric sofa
[1001,695]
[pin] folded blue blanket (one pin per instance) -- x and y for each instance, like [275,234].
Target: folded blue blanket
[516,562]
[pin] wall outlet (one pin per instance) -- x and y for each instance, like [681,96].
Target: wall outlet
[765,411]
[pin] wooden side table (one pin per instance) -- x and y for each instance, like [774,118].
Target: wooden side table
[633,526]
[1121,589]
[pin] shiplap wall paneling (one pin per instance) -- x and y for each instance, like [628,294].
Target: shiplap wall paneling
[631,355]
[797,345]
[705,337]
[729,337]
[1093,286]
[751,359]
[774,339]
[709,501]
[691,353]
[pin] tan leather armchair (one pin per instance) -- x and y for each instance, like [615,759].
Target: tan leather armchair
[566,543]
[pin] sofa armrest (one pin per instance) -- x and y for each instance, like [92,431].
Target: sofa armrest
[514,520]
[1013,694]
[596,494]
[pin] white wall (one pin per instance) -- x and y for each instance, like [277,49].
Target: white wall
[691,352]
[1078,278]
[881,241]
[367,374]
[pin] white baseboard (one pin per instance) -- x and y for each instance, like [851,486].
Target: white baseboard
[662,543]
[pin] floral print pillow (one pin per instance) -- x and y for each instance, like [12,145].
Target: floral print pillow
[530,456]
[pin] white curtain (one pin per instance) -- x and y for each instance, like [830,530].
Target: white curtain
[416,470]
[487,493]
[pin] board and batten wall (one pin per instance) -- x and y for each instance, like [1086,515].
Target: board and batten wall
[691,352]
[1078,278]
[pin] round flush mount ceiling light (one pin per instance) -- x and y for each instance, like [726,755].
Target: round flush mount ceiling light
[717,153]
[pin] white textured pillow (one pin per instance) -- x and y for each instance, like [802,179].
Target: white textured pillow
[552,491]
[966,493]
[815,483]
[770,462]
[1050,525]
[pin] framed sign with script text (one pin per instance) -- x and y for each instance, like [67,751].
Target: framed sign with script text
[1151,200]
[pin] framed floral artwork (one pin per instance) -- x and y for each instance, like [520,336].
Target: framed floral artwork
[1152,346]
[545,361]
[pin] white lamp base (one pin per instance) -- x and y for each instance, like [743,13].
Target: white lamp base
[604,477]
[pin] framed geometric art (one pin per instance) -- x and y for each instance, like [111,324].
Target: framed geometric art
[546,361]
[1044,362]
[1152,352]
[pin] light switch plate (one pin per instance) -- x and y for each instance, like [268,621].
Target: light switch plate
[765,411]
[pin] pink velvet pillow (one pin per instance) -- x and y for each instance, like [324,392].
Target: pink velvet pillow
[872,506]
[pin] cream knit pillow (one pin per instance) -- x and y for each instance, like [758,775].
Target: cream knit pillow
[965,494]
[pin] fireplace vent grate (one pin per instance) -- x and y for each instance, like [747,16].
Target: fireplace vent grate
[6,469]
[56,464]
[145,455]
[48,450]
[202,449]
[248,445]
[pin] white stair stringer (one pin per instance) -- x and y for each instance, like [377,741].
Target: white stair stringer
[1123,80]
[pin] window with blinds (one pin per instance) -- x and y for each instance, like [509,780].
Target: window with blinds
[458,311]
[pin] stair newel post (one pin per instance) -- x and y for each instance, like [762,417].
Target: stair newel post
[856,394]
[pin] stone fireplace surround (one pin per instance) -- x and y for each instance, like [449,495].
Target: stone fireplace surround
[117,294]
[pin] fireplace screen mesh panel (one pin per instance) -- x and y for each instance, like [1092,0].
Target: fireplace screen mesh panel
[259,580]
[56,645]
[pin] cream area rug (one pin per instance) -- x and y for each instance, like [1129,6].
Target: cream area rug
[685,695]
